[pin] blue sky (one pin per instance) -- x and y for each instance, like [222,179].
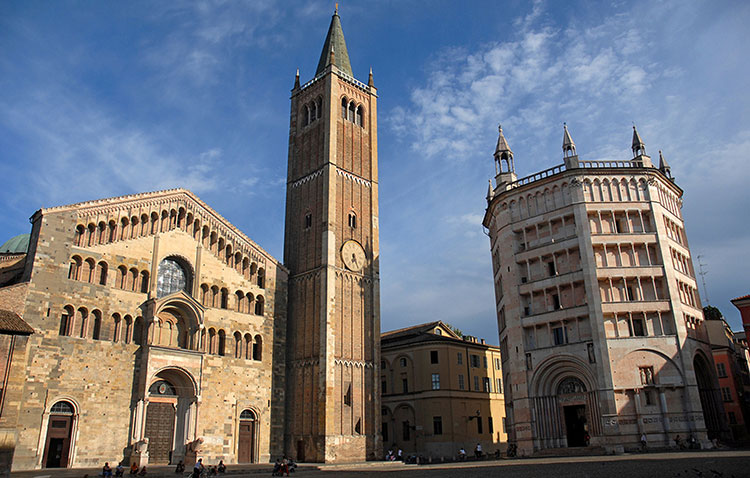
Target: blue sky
[101,99]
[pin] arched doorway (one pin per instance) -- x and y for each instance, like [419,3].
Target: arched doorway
[709,396]
[57,446]
[171,404]
[404,428]
[565,403]
[571,394]
[246,439]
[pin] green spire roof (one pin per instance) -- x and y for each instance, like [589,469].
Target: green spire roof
[335,41]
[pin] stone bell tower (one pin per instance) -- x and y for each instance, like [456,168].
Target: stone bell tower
[332,252]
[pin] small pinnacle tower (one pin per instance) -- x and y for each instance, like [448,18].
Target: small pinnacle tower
[639,150]
[569,149]
[505,167]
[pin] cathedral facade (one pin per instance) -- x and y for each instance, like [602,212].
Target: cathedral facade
[158,336]
[598,311]
[161,332]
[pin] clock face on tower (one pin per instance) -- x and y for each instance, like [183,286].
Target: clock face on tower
[353,255]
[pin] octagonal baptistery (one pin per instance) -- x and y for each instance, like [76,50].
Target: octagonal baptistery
[598,313]
[158,335]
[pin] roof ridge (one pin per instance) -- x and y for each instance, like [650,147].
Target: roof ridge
[175,192]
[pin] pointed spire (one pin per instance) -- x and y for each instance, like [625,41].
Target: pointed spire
[296,80]
[503,152]
[490,192]
[335,43]
[664,166]
[569,147]
[502,143]
[370,81]
[639,148]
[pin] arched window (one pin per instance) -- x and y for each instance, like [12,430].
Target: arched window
[124,223]
[224,298]
[248,346]
[143,286]
[350,116]
[62,408]
[83,317]
[238,262]
[313,112]
[66,320]
[75,268]
[214,296]
[112,231]
[138,331]
[132,280]
[101,236]
[204,294]
[144,224]
[121,280]
[360,116]
[245,267]
[174,276]
[134,225]
[237,345]
[249,303]
[344,104]
[154,222]
[247,415]
[80,235]
[116,327]
[164,221]
[259,305]
[88,270]
[97,330]
[240,298]
[258,348]
[305,115]
[308,221]
[228,256]
[101,273]
[222,342]
[91,239]
[261,278]
[221,251]
[319,108]
[212,341]
[128,329]
[353,220]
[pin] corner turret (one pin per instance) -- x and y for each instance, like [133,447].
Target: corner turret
[505,167]
[639,150]
[569,149]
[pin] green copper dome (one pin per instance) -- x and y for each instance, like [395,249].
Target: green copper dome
[18,244]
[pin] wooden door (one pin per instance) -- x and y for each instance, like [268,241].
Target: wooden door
[160,431]
[57,446]
[246,442]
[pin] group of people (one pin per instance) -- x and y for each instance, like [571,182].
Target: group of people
[478,454]
[200,470]
[119,471]
[283,465]
[397,456]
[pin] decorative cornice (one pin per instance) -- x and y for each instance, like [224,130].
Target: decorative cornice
[355,363]
[150,200]
[354,177]
[306,179]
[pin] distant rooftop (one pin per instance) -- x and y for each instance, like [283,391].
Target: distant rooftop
[16,245]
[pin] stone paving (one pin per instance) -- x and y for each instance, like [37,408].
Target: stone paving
[719,464]
[699,464]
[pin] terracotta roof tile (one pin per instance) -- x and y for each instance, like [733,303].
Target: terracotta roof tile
[12,324]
